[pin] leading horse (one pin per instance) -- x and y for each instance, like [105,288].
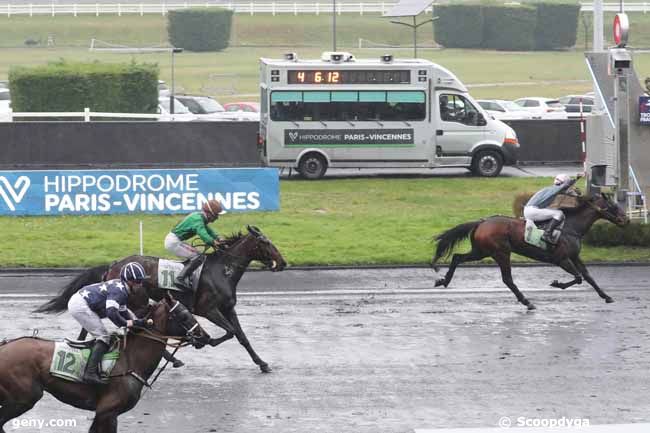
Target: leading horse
[499,236]
[216,294]
[25,365]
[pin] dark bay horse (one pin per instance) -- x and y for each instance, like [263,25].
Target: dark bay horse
[25,365]
[216,294]
[499,236]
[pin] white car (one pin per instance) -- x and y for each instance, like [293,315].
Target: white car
[181,112]
[5,105]
[543,108]
[504,110]
[206,108]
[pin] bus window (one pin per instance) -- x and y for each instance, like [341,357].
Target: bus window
[348,106]
[457,108]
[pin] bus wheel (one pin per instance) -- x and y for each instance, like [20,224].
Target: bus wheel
[312,166]
[487,163]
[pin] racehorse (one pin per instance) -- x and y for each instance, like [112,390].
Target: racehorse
[216,294]
[499,236]
[25,365]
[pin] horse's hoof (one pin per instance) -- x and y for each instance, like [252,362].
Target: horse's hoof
[213,342]
[556,284]
[531,307]
[178,363]
[609,300]
[440,282]
[265,368]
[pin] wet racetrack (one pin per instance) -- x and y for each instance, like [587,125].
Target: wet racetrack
[381,351]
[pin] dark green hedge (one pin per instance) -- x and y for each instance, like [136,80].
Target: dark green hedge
[532,26]
[200,29]
[605,234]
[509,28]
[70,87]
[458,26]
[557,25]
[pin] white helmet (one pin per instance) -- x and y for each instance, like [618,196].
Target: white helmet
[561,178]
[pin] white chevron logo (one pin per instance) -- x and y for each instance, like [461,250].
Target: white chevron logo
[13,194]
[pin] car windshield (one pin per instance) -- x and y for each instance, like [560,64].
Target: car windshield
[554,104]
[510,106]
[210,105]
[179,108]
[5,96]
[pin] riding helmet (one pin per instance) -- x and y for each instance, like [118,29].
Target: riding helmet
[133,271]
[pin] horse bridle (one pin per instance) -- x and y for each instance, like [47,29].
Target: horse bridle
[604,212]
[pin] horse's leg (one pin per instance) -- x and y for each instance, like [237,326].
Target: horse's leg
[214,315]
[570,267]
[456,260]
[503,259]
[105,424]
[9,412]
[583,270]
[243,340]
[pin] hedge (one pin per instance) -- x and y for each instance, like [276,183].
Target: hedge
[200,29]
[70,87]
[531,26]
[557,25]
[459,26]
[606,234]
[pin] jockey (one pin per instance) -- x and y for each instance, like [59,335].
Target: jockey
[537,207]
[195,224]
[106,299]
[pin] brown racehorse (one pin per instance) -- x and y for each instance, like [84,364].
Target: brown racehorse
[499,236]
[216,294]
[25,366]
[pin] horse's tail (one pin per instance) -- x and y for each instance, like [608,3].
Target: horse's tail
[448,240]
[59,303]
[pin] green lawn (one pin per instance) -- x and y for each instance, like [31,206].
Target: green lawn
[234,73]
[327,222]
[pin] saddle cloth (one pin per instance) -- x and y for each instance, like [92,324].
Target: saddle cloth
[70,362]
[169,269]
[534,230]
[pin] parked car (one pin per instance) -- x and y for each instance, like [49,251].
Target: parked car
[543,108]
[181,112]
[572,104]
[204,107]
[504,110]
[5,105]
[251,107]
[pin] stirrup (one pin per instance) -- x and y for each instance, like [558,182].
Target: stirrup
[182,284]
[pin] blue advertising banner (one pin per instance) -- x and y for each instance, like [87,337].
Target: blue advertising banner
[644,110]
[84,192]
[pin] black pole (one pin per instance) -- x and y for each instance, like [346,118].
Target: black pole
[171,91]
[415,39]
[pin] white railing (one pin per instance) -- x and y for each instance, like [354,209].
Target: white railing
[243,7]
[86,115]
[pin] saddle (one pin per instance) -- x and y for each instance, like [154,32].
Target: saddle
[535,229]
[70,357]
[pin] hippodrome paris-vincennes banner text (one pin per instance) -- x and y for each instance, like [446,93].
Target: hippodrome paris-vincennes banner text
[81,192]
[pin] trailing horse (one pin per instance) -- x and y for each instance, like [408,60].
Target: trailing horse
[499,236]
[216,293]
[26,365]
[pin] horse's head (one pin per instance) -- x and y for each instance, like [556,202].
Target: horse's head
[173,319]
[608,209]
[262,249]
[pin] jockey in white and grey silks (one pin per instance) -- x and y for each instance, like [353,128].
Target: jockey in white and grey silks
[537,207]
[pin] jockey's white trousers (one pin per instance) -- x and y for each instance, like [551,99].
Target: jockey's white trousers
[78,307]
[536,214]
[178,247]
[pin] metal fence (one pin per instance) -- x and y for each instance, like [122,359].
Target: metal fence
[251,8]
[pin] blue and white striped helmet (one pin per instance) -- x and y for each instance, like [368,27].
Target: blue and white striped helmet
[133,271]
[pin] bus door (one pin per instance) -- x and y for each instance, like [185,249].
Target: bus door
[459,125]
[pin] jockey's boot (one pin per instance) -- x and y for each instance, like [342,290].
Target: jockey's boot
[182,281]
[91,374]
[550,228]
